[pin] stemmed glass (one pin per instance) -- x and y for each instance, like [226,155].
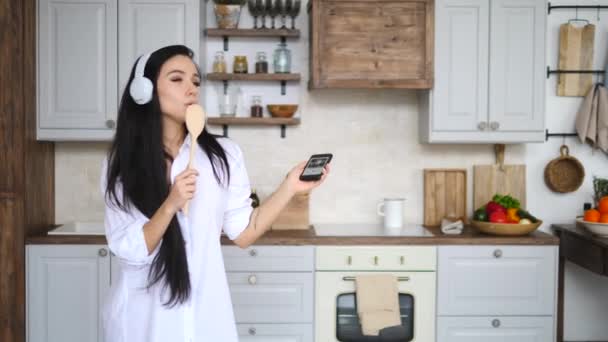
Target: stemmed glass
[253,10]
[261,9]
[285,9]
[272,10]
[293,12]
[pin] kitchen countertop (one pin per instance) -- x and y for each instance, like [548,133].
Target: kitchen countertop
[347,234]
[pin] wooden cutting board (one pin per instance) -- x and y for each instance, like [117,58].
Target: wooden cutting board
[498,178]
[445,195]
[575,53]
[295,215]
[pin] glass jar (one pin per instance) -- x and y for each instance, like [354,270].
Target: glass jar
[282,59]
[256,107]
[219,63]
[240,65]
[261,64]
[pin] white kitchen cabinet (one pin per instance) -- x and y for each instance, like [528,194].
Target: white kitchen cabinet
[495,329]
[86,50]
[66,285]
[272,291]
[489,73]
[496,293]
[77,68]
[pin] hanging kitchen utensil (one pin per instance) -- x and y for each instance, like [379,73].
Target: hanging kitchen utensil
[498,178]
[445,195]
[575,53]
[195,122]
[564,173]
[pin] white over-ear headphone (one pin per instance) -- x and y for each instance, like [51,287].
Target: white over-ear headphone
[141,86]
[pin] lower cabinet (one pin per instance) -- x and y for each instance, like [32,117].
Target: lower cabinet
[272,290]
[65,286]
[275,332]
[495,329]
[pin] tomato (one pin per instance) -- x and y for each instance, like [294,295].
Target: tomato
[498,217]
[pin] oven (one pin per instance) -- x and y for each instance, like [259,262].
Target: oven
[336,306]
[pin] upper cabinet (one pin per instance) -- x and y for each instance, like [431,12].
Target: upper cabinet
[85,52]
[490,78]
[371,44]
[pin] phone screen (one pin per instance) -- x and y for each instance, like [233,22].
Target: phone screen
[315,165]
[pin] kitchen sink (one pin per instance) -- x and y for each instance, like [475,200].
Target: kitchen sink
[79,228]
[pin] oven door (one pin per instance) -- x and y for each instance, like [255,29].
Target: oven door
[335,307]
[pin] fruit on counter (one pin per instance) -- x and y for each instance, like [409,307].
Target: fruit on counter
[526,215]
[592,215]
[525,221]
[602,205]
[498,217]
[603,218]
[480,215]
[493,206]
[506,201]
[512,216]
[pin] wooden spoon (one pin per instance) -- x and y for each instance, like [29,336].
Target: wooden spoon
[195,122]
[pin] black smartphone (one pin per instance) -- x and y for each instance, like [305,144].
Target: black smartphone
[314,167]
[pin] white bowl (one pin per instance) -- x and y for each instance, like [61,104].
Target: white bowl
[600,229]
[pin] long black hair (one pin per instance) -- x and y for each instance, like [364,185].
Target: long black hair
[137,160]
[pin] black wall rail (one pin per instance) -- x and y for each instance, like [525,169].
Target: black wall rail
[577,7]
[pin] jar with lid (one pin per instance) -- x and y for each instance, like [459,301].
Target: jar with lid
[256,106]
[282,59]
[261,64]
[240,65]
[219,63]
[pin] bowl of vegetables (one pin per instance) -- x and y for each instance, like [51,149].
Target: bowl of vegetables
[503,216]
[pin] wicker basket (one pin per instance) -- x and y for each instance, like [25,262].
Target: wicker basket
[564,173]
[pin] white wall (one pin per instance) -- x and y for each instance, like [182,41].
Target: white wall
[373,136]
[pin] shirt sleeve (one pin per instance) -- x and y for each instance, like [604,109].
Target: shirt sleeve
[125,229]
[238,208]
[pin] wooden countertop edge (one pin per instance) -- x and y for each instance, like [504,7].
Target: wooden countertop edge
[308,237]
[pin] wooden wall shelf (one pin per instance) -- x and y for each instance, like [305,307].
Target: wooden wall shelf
[252,33]
[242,121]
[252,77]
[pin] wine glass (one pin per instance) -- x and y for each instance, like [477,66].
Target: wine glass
[294,11]
[261,9]
[254,12]
[285,9]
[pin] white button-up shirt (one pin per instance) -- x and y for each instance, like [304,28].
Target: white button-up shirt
[133,313]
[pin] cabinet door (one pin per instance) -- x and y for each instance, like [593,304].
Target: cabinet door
[497,280]
[147,25]
[275,332]
[460,96]
[279,297]
[77,67]
[66,285]
[517,65]
[495,329]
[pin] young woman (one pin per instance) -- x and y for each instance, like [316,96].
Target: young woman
[171,283]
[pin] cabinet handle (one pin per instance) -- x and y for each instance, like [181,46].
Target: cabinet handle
[110,124]
[253,252]
[251,331]
[497,253]
[494,125]
[482,126]
[349,260]
[252,279]
[495,323]
[402,259]
[102,252]
[376,260]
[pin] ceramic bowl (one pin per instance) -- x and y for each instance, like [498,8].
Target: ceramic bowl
[282,110]
[600,229]
[506,229]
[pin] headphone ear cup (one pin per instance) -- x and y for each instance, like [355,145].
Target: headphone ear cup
[141,90]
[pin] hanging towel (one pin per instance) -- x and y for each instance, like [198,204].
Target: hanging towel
[592,118]
[377,302]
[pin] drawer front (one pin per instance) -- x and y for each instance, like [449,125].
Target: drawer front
[370,258]
[275,332]
[269,258]
[495,329]
[497,280]
[271,297]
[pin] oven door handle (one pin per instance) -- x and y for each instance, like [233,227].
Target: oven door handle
[398,278]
